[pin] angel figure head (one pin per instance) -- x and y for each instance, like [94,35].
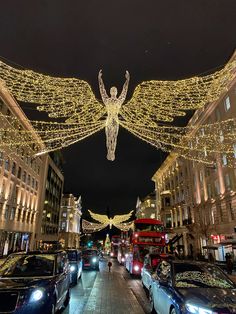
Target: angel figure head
[113,92]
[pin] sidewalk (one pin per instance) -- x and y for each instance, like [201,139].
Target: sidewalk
[110,294]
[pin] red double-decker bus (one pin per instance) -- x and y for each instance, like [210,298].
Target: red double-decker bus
[148,236]
[115,240]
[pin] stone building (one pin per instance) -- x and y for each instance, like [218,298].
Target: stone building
[196,201]
[70,221]
[146,207]
[21,178]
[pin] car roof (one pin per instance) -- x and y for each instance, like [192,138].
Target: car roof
[55,252]
[190,262]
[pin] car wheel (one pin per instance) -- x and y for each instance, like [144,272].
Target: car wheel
[153,311]
[67,299]
[75,281]
[173,311]
[52,308]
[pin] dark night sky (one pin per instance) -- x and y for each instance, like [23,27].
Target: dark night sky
[152,39]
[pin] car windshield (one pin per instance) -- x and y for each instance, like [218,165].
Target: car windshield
[148,227]
[90,252]
[72,256]
[28,266]
[200,276]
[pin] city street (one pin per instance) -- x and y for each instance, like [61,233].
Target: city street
[104,292]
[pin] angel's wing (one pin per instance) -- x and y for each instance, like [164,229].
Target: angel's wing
[125,226]
[90,227]
[44,136]
[155,101]
[59,97]
[117,219]
[200,143]
[101,218]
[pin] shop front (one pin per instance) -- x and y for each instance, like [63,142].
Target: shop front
[13,242]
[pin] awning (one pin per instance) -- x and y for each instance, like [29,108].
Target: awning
[211,247]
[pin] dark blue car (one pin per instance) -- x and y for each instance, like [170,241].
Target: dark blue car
[34,283]
[181,287]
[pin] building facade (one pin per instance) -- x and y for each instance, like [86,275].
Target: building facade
[52,191]
[21,178]
[70,221]
[196,201]
[146,207]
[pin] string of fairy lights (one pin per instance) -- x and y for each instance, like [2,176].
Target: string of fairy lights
[118,221]
[153,103]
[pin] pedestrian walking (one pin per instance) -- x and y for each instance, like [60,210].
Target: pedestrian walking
[229,263]
[109,264]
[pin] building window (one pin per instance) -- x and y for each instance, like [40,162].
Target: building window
[224,160]
[212,216]
[32,218]
[1,104]
[231,210]
[12,214]
[7,164]
[63,225]
[217,187]
[28,179]
[7,212]
[1,158]
[227,181]
[227,103]
[13,170]
[220,212]
[23,217]
[24,176]
[19,214]
[19,173]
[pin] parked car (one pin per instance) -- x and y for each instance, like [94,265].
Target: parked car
[34,282]
[75,264]
[183,287]
[150,264]
[90,259]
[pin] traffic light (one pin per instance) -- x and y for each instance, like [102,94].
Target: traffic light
[90,244]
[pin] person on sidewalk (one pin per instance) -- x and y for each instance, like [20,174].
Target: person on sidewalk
[109,264]
[229,263]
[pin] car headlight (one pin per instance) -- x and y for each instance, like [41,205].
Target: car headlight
[36,295]
[94,260]
[195,309]
[136,268]
[72,268]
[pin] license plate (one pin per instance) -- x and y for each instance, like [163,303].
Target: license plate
[86,264]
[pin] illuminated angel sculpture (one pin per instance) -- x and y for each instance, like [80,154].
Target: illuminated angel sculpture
[146,115]
[113,105]
[118,221]
[115,221]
